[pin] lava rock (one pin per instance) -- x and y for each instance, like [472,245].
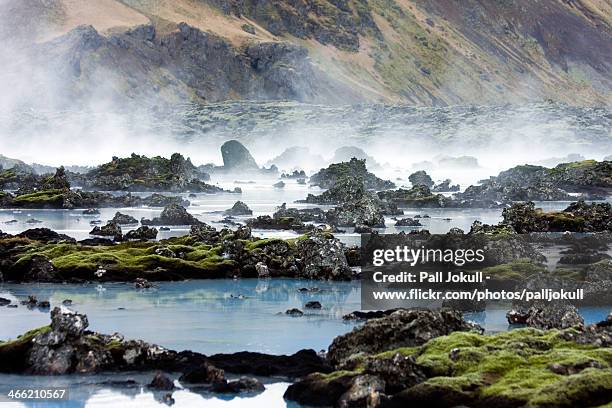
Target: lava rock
[243,384]
[124,219]
[313,304]
[161,382]
[402,328]
[239,208]
[237,157]
[173,214]
[203,374]
[111,229]
[408,222]
[294,312]
[143,233]
[323,258]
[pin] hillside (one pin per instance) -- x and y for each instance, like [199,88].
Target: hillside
[428,52]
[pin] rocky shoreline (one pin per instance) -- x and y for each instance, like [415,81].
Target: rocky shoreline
[422,358]
[431,358]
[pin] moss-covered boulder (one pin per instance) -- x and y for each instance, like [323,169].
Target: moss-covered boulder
[519,368]
[141,173]
[577,217]
[403,328]
[355,168]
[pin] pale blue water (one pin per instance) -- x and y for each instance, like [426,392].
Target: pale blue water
[209,316]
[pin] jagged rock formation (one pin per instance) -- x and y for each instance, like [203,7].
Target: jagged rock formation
[577,217]
[528,182]
[421,178]
[141,173]
[354,168]
[173,214]
[66,346]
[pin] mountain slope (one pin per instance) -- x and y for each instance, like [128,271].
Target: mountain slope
[431,52]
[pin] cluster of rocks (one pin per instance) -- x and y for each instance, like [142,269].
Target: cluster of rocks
[70,199]
[357,205]
[316,255]
[355,168]
[239,208]
[446,186]
[67,347]
[436,358]
[173,214]
[537,183]
[577,217]
[546,316]
[141,173]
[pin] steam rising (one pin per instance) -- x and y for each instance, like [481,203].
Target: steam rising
[36,125]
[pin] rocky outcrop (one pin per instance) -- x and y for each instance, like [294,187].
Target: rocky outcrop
[143,233]
[239,208]
[537,183]
[454,369]
[346,189]
[66,346]
[141,173]
[322,257]
[421,178]
[296,365]
[111,229]
[70,199]
[236,157]
[367,210]
[173,214]
[39,268]
[445,186]
[403,328]
[356,169]
[547,316]
[419,196]
[577,217]
[408,222]
[124,219]
[205,253]
[279,223]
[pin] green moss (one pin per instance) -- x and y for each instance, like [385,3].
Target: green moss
[337,374]
[48,197]
[511,366]
[130,258]
[261,243]
[518,269]
[405,351]
[24,338]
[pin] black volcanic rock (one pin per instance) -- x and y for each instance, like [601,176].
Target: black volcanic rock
[421,178]
[236,157]
[402,328]
[239,208]
[355,168]
[142,233]
[124,219]
[173,214]
[111,229]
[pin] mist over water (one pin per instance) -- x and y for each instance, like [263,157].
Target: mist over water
[399,138]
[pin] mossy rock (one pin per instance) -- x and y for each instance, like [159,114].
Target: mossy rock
[13,353]
[127,261]
[510,369]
